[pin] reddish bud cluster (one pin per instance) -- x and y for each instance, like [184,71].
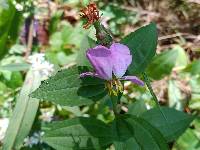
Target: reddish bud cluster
[91,13]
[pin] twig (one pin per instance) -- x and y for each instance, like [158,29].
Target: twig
[141,11]
[187,35]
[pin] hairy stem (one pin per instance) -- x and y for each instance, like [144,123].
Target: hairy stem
[148,83]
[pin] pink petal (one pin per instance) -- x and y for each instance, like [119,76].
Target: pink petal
[133,79]
[121,59]
[100,58]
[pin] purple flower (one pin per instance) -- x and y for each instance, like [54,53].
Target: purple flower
[111,64]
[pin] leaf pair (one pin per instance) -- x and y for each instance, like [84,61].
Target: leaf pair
[126,132]
[149,131]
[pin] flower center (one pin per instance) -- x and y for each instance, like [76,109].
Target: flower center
[114,87]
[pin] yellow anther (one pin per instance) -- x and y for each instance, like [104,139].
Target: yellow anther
[114,87]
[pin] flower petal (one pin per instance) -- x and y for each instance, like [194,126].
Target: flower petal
[133,79]
[100,58]
[120,48]
[121,59]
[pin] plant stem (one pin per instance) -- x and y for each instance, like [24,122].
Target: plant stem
[114,100]
[102,35]
[148,83]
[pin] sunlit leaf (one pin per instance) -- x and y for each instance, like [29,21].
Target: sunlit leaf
[86,43]
[188,141]
[23,115]
[162,64]
[174,96]
[9,24]
[15,67]
[193,68]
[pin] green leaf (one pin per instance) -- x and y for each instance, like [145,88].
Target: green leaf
[142,44]
[174,96]
[137,108]
[67,89]
[135,133]
[86,43]
[195,86]
[188,141]
[24,114]
[193,68]
[162,64]
[17,49]
[177,121]
[15,67]
[16,80]
[194,104]
[182,58]
[55,19]
[9,24]
[78,133]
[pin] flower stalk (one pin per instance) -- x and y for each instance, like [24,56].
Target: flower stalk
[114,100]
[110,60]
[103,36]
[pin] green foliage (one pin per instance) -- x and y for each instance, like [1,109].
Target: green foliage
[174,96]
[55,21]
[177,122]
[131,132]
[142,44]
[162,64]
[66,38]
[127,132]
[193,68]
[118,17]
[194,103]
[23,115]
[86,43]
[15,67]
[9,24]
[182,59]
[188,141]
[137,108]
[78,133]
[67,89]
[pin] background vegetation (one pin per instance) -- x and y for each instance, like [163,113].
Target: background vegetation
[55,28]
